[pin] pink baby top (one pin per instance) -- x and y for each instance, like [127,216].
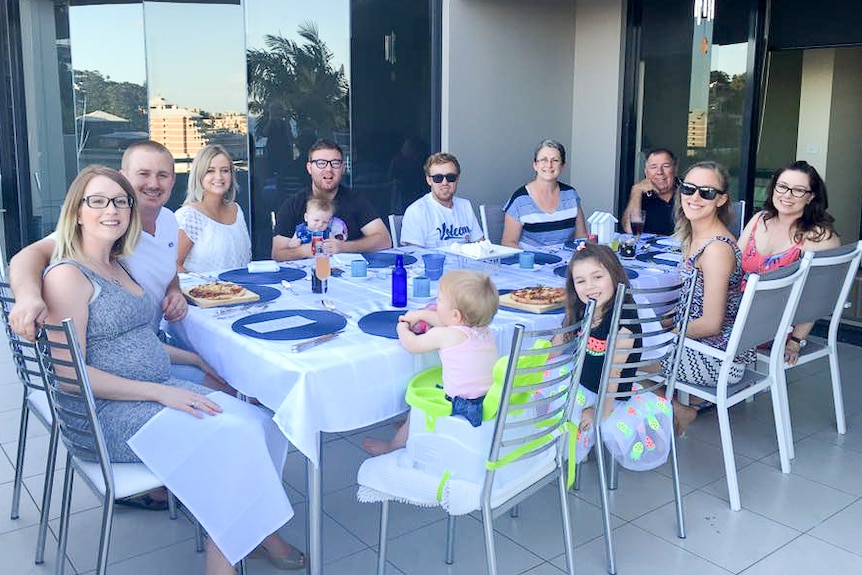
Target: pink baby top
[468,367]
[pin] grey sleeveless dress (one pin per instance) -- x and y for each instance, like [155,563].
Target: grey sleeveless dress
[122,340]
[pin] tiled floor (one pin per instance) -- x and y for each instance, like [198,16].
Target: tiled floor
[803,523]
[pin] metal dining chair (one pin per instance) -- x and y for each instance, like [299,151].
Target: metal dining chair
[527,449]
[655,318]
[72,403]
[493,220]
[765,314]
[827,288]
[34,402]
[737,212]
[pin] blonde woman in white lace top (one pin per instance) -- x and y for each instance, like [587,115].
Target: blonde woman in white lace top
[213,233]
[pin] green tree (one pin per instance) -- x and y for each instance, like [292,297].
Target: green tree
[124,99]
[299,79]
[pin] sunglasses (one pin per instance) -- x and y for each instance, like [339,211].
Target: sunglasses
[438,178]
[706,192]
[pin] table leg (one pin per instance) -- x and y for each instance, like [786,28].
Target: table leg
[315,513]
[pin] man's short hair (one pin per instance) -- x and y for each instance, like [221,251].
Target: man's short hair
[656,151]
[150,145]
[441,158]
[324,144]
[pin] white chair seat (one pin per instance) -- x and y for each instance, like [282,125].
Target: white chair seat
[129,478]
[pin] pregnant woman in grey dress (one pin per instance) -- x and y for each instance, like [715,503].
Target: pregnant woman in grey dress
[129,368]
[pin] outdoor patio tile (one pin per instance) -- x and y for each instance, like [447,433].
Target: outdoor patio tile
[18,548]
[843,529]
[733,540]
[765,490]
[806,555]
[827,464]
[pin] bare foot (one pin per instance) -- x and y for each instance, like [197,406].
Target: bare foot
[683,415]
[376,446]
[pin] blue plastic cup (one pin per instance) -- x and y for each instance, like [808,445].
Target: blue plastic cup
[433,265]
[421,287]
[526,260]
[359,268]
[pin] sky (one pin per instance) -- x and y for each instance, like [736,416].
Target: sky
[196,52]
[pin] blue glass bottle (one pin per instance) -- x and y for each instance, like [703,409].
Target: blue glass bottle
[399,283]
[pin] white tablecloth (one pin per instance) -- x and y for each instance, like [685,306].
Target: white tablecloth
[356,379]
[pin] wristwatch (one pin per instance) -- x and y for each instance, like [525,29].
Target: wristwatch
[801,342]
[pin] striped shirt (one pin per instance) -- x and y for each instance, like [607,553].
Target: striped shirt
[540,228]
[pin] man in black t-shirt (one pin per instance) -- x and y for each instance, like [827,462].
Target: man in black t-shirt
[655,194]
[365,231]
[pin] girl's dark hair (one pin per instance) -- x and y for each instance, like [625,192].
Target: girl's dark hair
[575,308]
[815,223]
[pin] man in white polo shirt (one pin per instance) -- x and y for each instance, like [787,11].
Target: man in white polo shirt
[439,218]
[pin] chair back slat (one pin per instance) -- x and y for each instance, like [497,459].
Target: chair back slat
[23,351]
[493,221]
[537,394]
[828,284]
[395,229]
[71,396]
[642,312]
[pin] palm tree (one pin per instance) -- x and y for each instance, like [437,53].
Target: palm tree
[301,79]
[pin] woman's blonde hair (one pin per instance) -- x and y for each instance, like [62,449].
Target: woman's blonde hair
[473,294]
[682,229]
[200,165]
[68,227]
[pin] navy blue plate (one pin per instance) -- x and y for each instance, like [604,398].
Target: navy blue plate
[386,259]
[540,259]
[242,276]
[382,323]
[323,322]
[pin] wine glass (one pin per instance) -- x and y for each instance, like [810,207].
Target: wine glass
[637,219]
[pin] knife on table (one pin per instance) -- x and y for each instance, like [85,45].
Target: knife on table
[316,341]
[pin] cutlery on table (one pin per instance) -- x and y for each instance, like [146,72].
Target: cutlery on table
[331,307]
[228,312]
[316,341]
[286,285]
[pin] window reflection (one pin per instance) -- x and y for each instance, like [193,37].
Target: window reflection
[298,91]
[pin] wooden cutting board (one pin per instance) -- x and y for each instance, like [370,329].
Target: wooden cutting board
[506,300]
[245,296]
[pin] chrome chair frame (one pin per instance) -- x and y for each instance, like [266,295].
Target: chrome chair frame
[492,228]
[554,399]
[662,315]
[395,229]
[73,406]
[34,401]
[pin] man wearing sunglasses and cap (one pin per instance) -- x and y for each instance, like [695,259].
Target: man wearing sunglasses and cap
[366,232]
[439,218]
[654,194]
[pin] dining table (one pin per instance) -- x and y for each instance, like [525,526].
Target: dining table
[357,377]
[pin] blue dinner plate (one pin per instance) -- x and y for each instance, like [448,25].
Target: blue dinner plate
[266,294]
[561,271]
[322,323]
[386,259]
[518,310]
[242,276]
[541,259]
[573,244]
[382,323]
[649,258]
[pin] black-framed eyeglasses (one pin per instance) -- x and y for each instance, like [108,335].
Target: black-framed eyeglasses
[782,189]
[706,192]
[101,202]
[438,178]
[321,164]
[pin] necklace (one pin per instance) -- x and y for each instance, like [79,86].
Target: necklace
[108,273]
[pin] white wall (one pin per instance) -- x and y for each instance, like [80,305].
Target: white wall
[597,117]
[507,84]
[518,71]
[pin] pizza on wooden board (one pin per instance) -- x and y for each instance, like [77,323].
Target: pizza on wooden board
[217,291]
[540,295]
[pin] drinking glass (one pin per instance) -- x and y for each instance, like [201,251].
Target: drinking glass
[322,268]
[637,219]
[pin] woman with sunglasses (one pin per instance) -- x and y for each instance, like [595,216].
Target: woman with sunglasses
[794,219]
[545,211]
[713,261]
